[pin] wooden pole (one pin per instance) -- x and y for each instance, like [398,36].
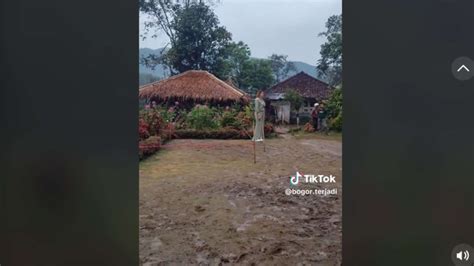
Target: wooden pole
[254,153]
[253,140]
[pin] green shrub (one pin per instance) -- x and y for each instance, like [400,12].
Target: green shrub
[334,107]
[295,100]
[202,117]
[336,123]
[181,119]
[223,133]
[249,112]
[229,119]
[167,114]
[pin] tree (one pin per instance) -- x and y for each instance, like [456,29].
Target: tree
[281,66]
[296,101]
[161,16]
[146,78]
[334,107]
[199,40]
[249,74]
[330,63]
[231,64]
[256,75]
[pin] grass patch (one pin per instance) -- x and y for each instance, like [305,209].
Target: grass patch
[317,135]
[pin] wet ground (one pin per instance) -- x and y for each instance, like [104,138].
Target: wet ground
[206,202]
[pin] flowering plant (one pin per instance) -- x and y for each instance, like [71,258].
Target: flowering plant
[143,132]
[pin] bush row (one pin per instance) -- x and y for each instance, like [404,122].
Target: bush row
[158,125]
[222,133]
[148,147]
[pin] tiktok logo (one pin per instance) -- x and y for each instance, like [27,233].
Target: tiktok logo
[295,179]
[322,179]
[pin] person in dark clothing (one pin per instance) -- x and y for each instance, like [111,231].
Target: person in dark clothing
[322,119]
[314,116]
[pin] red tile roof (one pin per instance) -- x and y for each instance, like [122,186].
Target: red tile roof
[304,84]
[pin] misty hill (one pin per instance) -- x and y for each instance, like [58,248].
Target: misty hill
[148,75]
[159,70]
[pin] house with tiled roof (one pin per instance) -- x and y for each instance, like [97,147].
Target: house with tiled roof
[311,89]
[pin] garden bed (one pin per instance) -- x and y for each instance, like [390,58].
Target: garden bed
[212,134]
[221,133]
[148,147]
[158,125]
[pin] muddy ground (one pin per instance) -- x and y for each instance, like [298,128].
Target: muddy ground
[206,202]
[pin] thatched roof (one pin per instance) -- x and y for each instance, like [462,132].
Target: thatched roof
[302,83]
[232,83]
[192,85]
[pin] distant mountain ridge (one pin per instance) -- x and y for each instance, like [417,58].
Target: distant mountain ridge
[161,72]
[158,71]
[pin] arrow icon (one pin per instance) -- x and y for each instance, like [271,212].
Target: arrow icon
[463,67]
[460,68]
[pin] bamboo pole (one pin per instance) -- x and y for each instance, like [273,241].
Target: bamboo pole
[254,153]
[253,140]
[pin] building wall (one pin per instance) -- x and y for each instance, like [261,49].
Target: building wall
[280,111]
[304,112]
[307,107]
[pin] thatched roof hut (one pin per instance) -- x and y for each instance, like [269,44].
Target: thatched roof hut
[195,86]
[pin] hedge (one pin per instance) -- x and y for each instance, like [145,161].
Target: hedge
[148,147]
[222,133]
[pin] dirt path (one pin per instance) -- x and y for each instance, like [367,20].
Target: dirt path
[206,202]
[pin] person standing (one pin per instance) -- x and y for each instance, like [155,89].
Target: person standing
[314,116]
[258,133]
[322,119]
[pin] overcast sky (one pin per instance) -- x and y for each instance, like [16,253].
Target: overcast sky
[287,27]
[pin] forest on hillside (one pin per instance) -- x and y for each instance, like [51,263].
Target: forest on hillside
[197,41]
